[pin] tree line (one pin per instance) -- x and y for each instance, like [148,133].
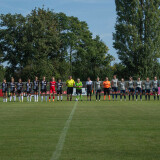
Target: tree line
[54,44]
[45,43]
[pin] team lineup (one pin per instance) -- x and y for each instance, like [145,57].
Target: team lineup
[134,89]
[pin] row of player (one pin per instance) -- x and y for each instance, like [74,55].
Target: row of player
[133,87]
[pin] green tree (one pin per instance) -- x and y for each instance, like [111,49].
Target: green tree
[137,35]
[120,70]
[45,43]
[28,43]
[11,36]
[2,73]
[87,56]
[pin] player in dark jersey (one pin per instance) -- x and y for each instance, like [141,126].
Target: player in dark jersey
[155,85]
[19,86]
[28,90]
[36,88]
[43,89]
[4,90]
[12,89]
[131,88]
[89,84]
[147,89]
[59,89]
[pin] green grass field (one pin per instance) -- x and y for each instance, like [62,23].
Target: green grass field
[98,130]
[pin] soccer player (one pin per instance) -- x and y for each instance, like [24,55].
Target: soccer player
[139,88]
[36,88]
[114,86]
[43,89]
[155,88]
[148,89]
[131,88]
[70,84]
[12,90]
[107,87]
[143,88]
[52,89]
[28,90]
[122,89]
[59,89]
[20,90]
[78,86]
[89,84]
[98,89]
[4,90]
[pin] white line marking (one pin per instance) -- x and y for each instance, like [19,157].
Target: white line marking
[60,144]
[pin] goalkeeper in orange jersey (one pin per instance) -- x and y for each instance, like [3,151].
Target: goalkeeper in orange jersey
[107,87]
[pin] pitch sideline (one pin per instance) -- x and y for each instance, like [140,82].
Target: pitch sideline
[60,144]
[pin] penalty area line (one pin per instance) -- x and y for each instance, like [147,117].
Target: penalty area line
[57,153]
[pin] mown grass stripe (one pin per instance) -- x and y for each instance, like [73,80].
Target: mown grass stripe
[60,144]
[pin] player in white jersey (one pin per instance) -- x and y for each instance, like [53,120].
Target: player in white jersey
[131,88]
[98,89]
[155,85]
[147,88]
[143,88]
[122,89]
[89,84]
[139,88]
[114,86]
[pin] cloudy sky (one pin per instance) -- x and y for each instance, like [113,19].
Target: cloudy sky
[99,14]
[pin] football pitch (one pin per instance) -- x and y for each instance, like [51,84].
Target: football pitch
[80,130]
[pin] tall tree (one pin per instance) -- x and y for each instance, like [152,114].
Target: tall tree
[137,36]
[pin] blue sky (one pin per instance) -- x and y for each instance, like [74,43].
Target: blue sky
[99,14]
